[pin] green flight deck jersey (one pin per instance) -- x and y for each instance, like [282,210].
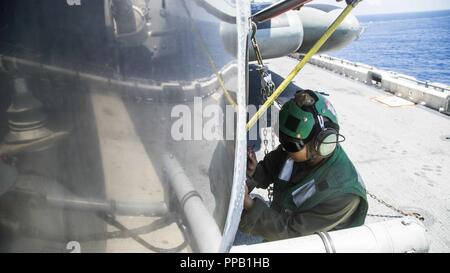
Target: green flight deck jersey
[329,196]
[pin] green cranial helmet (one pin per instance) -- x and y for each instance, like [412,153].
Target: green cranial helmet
[298,117]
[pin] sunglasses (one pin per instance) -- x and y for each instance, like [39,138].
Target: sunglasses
[291,145]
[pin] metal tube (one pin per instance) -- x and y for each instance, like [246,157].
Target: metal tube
[150,209]
[276,10]
[14,65]
[118,208]
[203,226]
[403,235]
[153,209]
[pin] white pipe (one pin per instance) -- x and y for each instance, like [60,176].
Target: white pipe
[203,226]
[403,235]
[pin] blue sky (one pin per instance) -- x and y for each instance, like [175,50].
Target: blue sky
[394,6]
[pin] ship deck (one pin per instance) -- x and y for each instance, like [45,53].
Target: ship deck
[402,153]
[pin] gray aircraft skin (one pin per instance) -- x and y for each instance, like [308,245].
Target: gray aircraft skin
[317,17]
[298,30]
[88,161]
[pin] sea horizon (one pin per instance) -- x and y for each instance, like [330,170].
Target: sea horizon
[414,43]
[363,17]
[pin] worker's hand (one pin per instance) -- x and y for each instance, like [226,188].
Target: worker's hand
[251,162]
[248,201]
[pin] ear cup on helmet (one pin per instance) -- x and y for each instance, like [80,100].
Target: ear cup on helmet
[326,142]
[325,139]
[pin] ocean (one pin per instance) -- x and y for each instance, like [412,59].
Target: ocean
[415,44]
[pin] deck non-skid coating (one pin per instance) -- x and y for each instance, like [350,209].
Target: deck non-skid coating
[400,152]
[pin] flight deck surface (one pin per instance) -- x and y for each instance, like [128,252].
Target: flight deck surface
[401,152]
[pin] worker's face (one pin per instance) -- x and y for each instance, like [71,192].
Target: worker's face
[300,156]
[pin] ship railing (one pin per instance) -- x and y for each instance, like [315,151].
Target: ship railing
[430,94]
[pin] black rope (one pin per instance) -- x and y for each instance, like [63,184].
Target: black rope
[134,233]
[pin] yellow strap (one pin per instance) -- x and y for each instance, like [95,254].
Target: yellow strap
[300,65]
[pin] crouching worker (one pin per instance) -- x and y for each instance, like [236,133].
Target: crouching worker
[315,185]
